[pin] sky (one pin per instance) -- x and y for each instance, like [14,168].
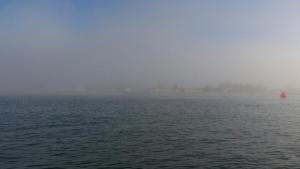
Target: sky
[65,46]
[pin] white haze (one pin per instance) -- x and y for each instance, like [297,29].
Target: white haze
[54,48]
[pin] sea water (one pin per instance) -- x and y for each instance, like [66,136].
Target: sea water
[62,132]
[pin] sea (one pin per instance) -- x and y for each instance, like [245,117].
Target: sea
[111,132]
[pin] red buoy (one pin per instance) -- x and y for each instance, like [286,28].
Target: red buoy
[283,94]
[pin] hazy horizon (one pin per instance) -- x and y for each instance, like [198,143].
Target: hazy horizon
[65,46]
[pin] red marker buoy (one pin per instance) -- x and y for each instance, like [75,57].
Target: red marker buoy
[283,94]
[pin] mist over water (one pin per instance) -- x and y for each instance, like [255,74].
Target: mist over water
[149,84]
[71,46]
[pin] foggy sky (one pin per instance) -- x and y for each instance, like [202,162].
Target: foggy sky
[66,46]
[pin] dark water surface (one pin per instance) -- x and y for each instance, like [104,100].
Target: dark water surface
[106,132]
